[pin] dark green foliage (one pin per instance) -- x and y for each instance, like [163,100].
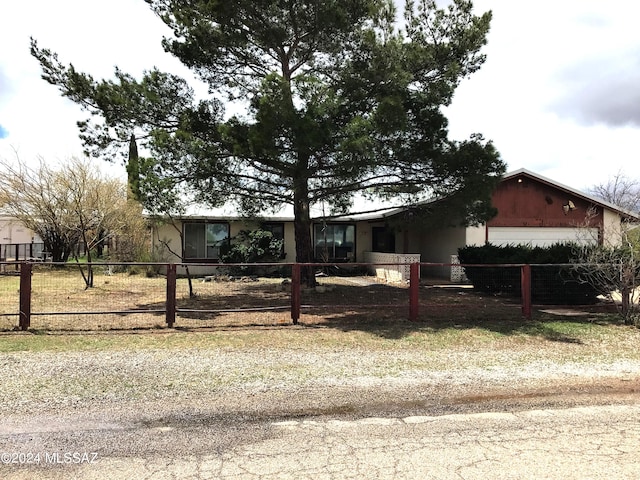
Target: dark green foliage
[133,171]
[554,279]
[252,246]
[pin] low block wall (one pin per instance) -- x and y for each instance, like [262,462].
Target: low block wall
[398,272]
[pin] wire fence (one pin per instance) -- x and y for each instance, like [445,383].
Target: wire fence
[49,296]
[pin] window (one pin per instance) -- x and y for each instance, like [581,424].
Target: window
[334,242]
[277,230]
[383,240]
[202,241]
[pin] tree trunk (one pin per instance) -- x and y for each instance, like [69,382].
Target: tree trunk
[626,305]
[56,246]
[189,281]
[302,229]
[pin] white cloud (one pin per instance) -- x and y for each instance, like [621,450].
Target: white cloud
[526,100]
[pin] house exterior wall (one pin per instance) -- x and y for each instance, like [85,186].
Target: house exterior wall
[289,242]
[525,202]
[12,232]
[363,240]
[612,234]
[171,235]
[438,246]
[476,235]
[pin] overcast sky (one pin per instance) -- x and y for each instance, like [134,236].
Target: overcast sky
[559,93]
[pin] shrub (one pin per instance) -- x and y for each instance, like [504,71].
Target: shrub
[252,246]
[553,280]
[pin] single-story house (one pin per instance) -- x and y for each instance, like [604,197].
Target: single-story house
[13,231]
[531,209]
[17,242]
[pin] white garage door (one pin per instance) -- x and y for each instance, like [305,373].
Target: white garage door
[541,236]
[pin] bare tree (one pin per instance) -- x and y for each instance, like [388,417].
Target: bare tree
[31,194]
[620,190]
[70,204]
[613,268]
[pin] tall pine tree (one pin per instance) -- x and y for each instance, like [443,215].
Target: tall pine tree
[335,99]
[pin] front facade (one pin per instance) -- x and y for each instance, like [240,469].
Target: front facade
[531,210]
[198,240]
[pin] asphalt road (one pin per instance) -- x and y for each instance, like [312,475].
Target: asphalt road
[583,442]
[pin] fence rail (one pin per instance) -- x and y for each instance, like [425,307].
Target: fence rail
[55,296]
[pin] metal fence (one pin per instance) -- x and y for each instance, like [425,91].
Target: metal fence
[49,296]
[23,251]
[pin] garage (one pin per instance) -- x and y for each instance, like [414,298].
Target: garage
[541,236]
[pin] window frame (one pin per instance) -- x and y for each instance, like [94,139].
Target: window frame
[267,226]
[332,257]
[206,244]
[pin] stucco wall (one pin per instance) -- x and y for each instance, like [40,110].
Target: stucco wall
[438,246]
[476,236]
[12,231]
[612,227]
[170,235]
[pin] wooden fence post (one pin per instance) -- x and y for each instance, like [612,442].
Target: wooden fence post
[295,293]
[414,291]
[171,295]
[25,295]
[525,285]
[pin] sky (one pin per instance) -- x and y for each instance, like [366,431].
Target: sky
[559,93]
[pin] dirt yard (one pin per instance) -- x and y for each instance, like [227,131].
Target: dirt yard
[121,301]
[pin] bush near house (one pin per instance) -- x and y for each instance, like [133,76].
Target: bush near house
[553,279]
[252,246]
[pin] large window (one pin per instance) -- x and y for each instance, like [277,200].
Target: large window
[277,230]
[202,241]
[334,241]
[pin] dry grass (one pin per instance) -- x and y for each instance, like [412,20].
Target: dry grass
[61,302]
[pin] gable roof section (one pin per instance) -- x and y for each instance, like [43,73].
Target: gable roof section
[523,172]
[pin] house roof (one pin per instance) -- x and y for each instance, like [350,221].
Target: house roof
[364,210]
[585,196]
[371,211]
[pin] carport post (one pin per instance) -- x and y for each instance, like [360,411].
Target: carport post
[25,295]
[171,295]
[295,293]
[525,285]
[414,286]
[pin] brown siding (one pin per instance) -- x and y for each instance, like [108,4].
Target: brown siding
[526,202]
